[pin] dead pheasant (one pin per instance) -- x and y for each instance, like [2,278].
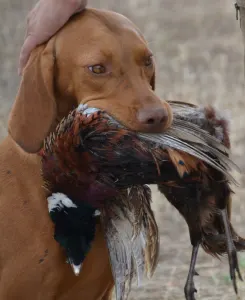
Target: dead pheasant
[96,162]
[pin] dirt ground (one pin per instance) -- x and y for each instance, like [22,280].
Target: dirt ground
[199,51]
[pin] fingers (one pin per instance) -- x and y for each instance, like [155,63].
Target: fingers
[43,21]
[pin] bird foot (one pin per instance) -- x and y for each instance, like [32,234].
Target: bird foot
[234,267]
[190,290]
[231,251]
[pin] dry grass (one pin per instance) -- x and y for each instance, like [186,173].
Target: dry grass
[199,51]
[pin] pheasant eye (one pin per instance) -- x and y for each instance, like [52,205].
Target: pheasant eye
[97,69]
[148,61]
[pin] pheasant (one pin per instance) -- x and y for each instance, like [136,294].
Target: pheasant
[99,165]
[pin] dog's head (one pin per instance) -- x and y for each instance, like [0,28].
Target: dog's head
[98,58]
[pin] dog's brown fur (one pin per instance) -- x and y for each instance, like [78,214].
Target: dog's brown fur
[57,78]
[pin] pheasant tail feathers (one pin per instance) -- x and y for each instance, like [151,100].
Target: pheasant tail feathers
[132,238]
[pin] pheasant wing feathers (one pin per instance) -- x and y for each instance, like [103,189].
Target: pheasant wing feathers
[200,132]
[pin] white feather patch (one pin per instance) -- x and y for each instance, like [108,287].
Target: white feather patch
[82,107]
[59,201]
[87,110]
[97,213]
[76,269]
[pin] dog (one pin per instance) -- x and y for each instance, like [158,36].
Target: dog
[98,58]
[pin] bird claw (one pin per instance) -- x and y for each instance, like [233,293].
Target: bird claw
[234,267]
[231,251]
[190,290]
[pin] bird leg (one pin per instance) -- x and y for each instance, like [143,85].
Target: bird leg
[231,250]
[190,286]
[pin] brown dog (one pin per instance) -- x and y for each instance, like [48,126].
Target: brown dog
[99,58]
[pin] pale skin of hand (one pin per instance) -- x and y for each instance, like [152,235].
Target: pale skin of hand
[43,21]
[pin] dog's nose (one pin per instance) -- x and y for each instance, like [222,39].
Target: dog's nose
[153,119]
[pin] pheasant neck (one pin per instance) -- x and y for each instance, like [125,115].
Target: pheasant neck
[66,174]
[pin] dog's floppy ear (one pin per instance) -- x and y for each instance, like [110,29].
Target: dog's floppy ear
[152,82]
[34,109]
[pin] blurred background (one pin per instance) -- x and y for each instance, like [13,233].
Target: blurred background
[199,51]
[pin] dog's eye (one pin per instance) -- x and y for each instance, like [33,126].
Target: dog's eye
[97,69]
[148,61]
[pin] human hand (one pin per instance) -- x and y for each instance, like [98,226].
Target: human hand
[43,21]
